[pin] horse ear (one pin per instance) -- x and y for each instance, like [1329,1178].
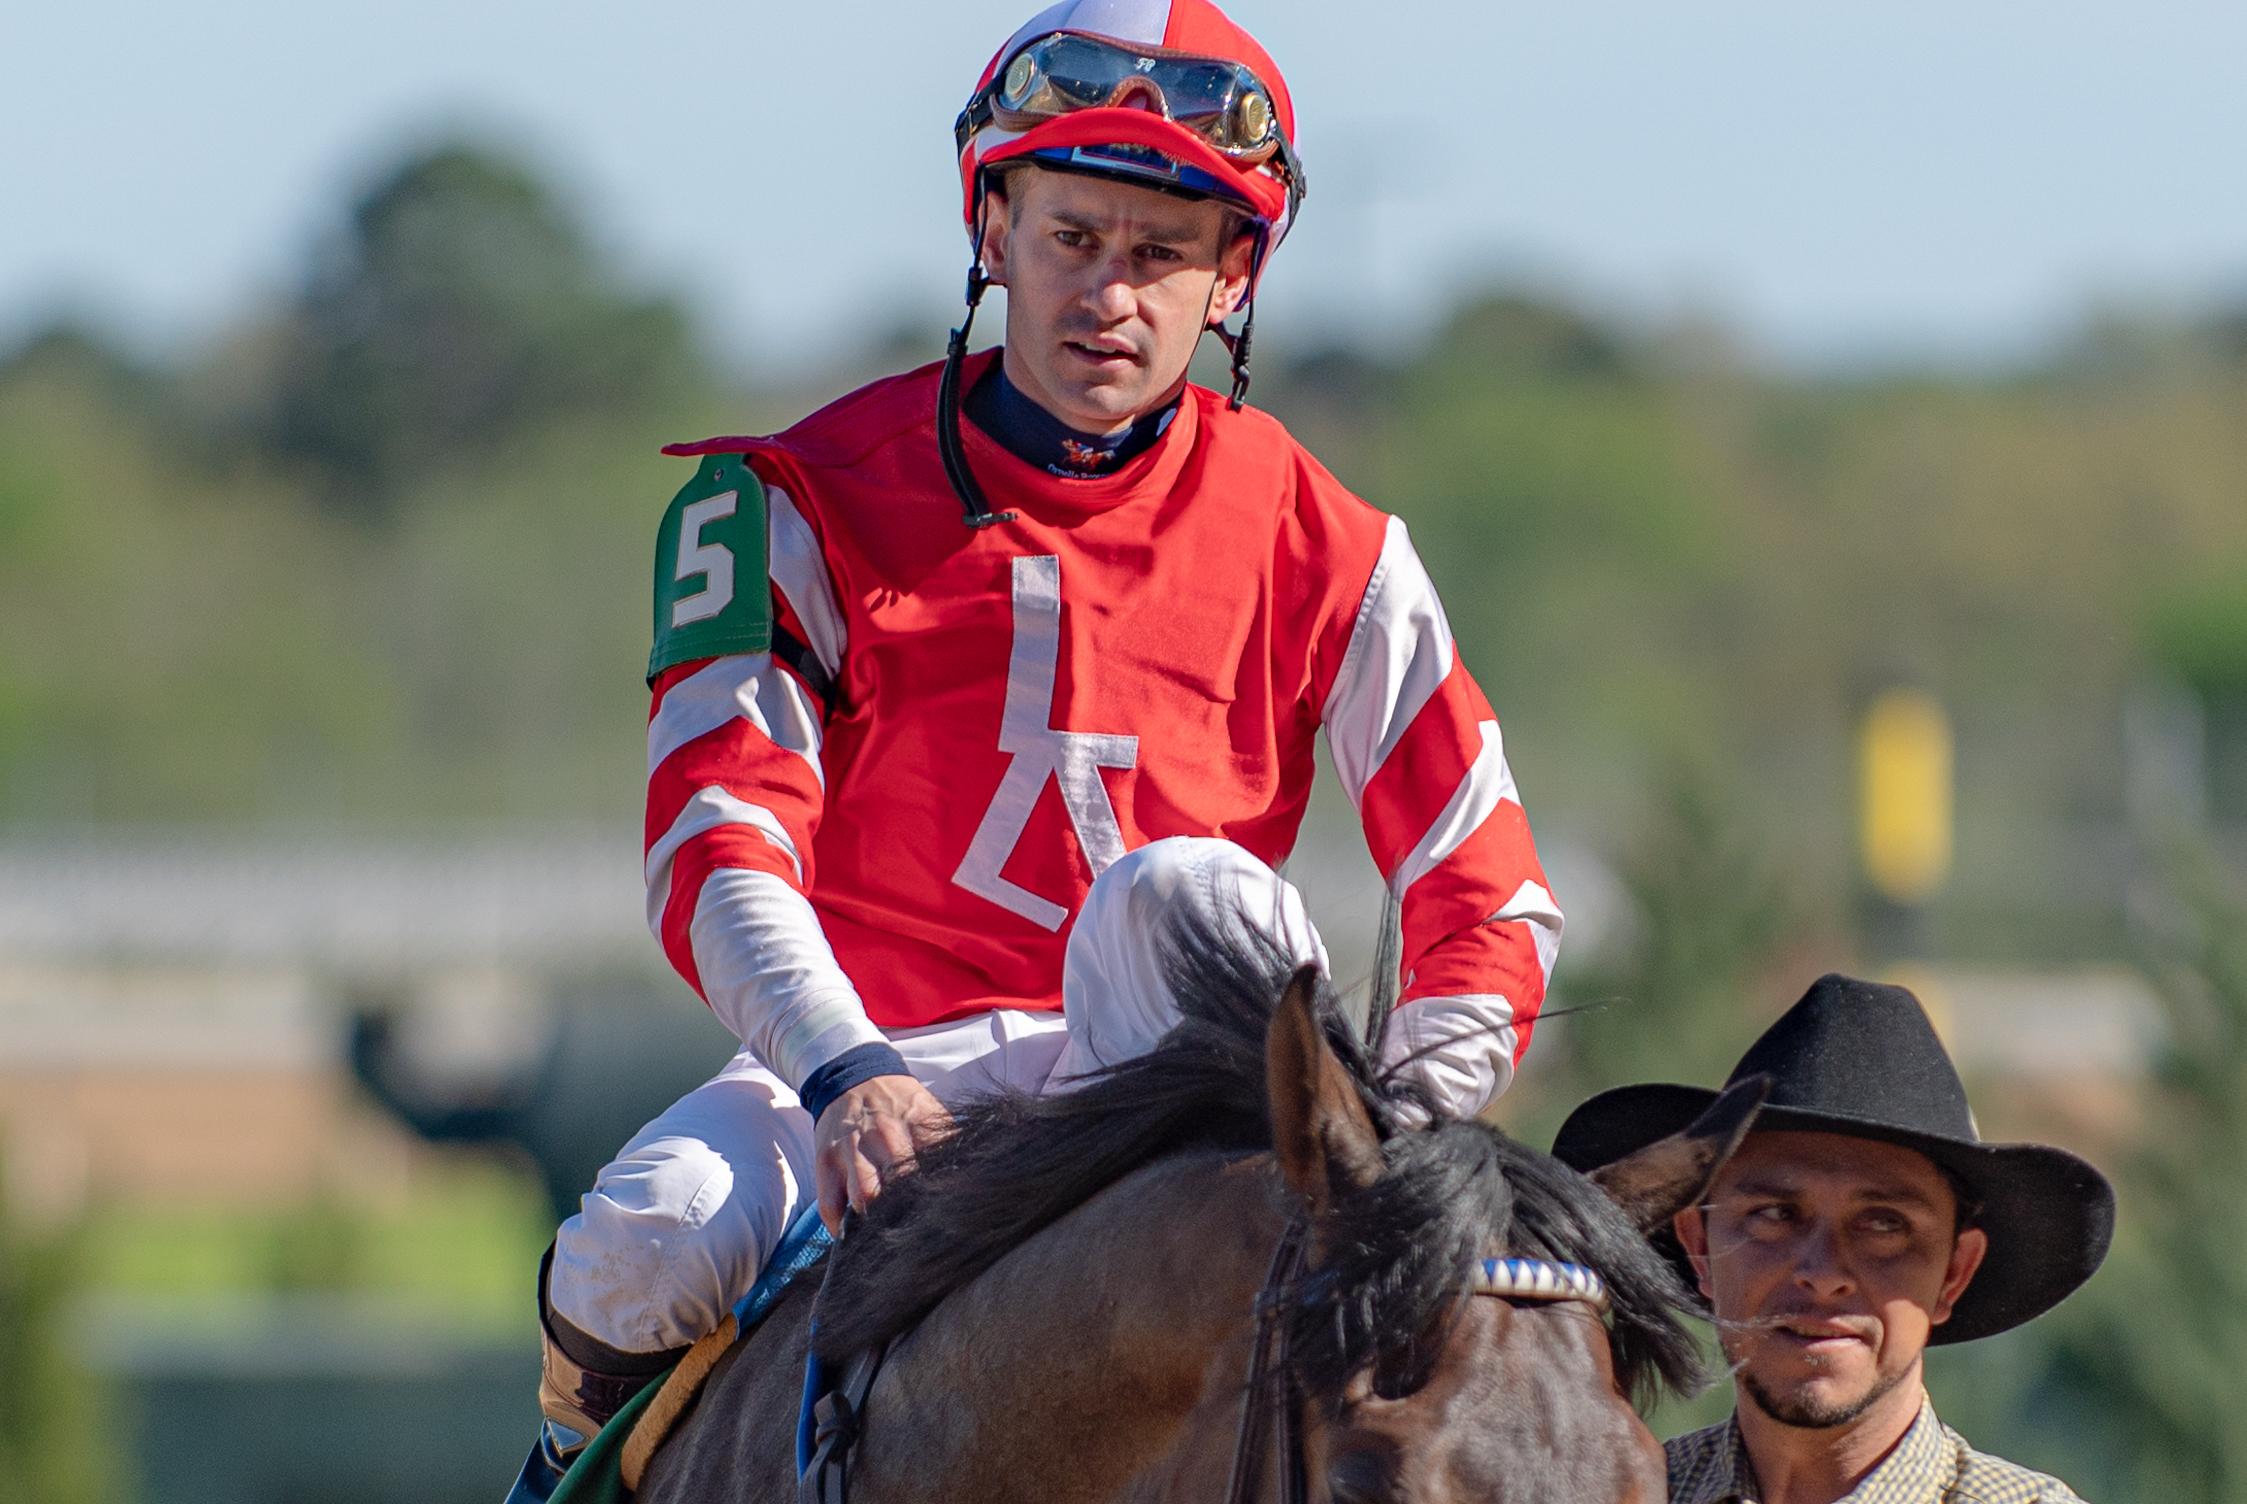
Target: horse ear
[1671,1174]
[1321,1133]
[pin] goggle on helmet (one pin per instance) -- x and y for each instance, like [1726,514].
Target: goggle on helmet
[1168,92]
[1222,102]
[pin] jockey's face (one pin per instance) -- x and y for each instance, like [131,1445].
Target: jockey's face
[1109,287]
[1828,1260]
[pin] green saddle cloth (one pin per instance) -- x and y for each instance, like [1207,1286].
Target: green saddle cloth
[596,1476]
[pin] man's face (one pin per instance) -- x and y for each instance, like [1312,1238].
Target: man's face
[1827,1261]
[1109,287]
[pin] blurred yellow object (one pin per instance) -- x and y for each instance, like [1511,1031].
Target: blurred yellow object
[1904,795]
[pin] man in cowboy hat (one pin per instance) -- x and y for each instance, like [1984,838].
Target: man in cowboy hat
[1862,1220]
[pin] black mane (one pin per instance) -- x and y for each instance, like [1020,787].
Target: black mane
[1398,1251]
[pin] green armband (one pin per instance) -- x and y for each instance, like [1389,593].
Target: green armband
[711,571]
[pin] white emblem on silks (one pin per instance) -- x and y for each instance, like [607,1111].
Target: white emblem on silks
[1072,759]
[713,561]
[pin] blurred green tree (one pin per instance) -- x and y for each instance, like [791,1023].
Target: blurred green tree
[2196,626]
[1677,999]
[2145,1370]
[462,305]
[1513,333]
[55,1445]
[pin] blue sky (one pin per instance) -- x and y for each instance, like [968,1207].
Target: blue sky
[1836,179]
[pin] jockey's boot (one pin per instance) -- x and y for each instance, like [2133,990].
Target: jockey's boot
[577,1397]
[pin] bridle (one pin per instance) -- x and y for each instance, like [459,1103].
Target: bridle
[1538,1280]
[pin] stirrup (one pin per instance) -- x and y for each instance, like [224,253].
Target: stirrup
[551,1455]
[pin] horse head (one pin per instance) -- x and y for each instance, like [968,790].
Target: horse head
[1408,1385]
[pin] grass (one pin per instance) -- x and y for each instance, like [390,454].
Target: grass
[463,1244]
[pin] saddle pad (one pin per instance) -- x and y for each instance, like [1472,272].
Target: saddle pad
[596,1475]
[608,1471]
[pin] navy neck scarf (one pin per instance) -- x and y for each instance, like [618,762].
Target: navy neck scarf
[998,407]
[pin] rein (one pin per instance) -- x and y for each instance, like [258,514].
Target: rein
[1271,1346]
[1538,1280]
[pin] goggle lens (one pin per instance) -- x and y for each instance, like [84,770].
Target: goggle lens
[1222,102]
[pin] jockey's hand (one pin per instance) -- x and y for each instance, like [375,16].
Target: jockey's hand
[867,1133]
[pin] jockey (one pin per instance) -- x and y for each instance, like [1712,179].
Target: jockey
[971,684]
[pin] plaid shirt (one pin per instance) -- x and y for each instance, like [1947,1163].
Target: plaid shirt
[1931,1465]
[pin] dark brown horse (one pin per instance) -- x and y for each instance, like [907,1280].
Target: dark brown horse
[1068,1284]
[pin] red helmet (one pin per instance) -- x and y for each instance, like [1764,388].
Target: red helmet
[1164,91]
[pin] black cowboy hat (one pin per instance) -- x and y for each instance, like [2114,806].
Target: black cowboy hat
[1861,1059]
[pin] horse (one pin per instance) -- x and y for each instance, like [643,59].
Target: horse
[1070,1287]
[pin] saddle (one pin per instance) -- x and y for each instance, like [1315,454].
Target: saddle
[610,1468]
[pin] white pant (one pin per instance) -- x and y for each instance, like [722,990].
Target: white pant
[678,1225]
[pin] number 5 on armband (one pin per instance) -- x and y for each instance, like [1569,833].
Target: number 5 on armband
[711,568]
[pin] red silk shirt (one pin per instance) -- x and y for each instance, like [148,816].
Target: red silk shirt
[956,730]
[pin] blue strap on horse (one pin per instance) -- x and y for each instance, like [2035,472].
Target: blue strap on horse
[815,1385]
[831,1418]
[804,1244]
[836,1417]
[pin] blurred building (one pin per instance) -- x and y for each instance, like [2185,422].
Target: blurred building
[174,1015]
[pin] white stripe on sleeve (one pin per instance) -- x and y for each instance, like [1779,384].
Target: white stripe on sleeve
[770,975]
[1469,1044]
[1534,906]
[799,572]
[742,686]
[1489,783]
[709,809]
[1400,653]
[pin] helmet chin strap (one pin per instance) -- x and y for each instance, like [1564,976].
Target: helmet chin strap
[948,445]
[1237,345]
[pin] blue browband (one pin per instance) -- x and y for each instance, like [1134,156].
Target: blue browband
[1536,1279]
